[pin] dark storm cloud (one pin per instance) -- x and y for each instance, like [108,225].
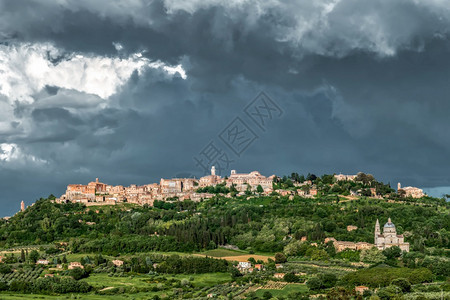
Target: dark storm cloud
[364,86]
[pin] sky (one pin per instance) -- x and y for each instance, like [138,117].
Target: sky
[133,91]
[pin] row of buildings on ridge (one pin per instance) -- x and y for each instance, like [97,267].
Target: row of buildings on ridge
[96,192]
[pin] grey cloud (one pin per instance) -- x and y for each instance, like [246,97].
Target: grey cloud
[363,87]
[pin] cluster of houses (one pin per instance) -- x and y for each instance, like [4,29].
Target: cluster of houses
[75,264]
[98,193]
[247,267]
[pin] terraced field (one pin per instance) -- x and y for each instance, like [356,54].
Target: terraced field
[288,289]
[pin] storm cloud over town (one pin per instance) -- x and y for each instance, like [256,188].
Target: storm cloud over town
[134,91]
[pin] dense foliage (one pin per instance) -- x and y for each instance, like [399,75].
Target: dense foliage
[383,276]
[258,223]
[48,285]
[175,264]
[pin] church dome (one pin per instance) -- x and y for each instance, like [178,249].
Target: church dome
[389,224]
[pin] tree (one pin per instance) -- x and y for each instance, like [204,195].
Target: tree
[34,256]
[364,178]
[78,273]
[280,258]
[341,293]
[392,252]
[329,225]
[259,189]
[314,283]
[329,248]
[235,273]
[301,179]
[372,255]
[311,177]
[402,283]
[291,277]
[318,254]
[327,179]
[267,295]
[5,269]
[328,280]
[389,292]
[22,256]
[294,248]
[3,285]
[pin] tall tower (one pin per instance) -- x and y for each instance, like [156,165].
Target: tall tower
[213,171]
[377,232]
[399,186]
[22,206]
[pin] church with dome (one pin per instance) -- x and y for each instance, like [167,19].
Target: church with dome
[389,237]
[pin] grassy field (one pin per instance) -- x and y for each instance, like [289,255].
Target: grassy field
[290,288]
[103,280]
[137,296]
[223,252]
[234,255]
[200,280]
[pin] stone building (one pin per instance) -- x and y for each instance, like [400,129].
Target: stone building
[342,177]
[389,237]
[74,265]
[210,180]
[410,191]
[344,245]
[242,181]
[177,185]
[351,227]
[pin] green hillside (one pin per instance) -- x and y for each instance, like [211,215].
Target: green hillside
[175,251]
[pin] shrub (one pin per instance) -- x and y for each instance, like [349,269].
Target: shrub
[383,276]
[5,269]
[280,258]
[290,277]
[314,283]
[78,273]
[328,280]
[402,283]
[3,285]
[267,295]
[389,292]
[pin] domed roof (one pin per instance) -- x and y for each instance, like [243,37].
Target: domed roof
[389,224]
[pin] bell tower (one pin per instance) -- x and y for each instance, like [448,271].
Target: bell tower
[377,232]
[213,171]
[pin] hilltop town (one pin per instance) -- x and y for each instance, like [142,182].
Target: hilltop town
[176,188]
[243,236]
[98,193]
